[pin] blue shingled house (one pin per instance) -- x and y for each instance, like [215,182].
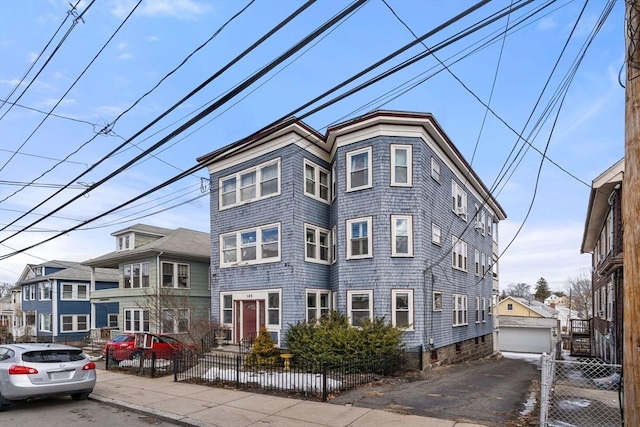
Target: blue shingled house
[379,217]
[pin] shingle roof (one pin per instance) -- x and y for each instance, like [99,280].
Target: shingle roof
[182,242]
[72,270]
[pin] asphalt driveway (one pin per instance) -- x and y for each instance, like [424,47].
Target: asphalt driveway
[493,392]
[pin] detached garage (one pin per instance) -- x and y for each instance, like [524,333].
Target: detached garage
[527,327]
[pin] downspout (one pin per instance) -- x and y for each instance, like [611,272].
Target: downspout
[158,279]
[54,310]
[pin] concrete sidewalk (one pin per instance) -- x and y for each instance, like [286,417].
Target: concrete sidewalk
[203,406]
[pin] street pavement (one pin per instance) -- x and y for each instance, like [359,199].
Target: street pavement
[203,406]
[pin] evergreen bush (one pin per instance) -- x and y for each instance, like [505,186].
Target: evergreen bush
[264,352]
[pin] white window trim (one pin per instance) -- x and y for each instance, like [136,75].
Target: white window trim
[409,149]
[142,266]
[175,278]
[259,259]
[316,181]
[483,264]
[489,223]
[41,287]
[74,291]
[477,262]
[460,303]
[433,301]
[484,310]
[125,242]
[275,327]
[318,309]
[409,219]
[394,309]
[140,321]
[41,322]
[435,227]
[317,231]
[258,170]
[369,221]
[334,182]
[477,309]
[74,323]
[350,294]
[350,154]
[111,316]
[334,244]
[458,206]
[459,248]
[175,317]
[435,170]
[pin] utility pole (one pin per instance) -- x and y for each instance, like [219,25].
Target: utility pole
[631,220]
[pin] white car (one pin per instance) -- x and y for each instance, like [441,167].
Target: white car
[29,371]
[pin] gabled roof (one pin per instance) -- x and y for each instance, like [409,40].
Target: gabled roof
[293,126]
[70,271]
[181,242]
[535,306]
[598,208]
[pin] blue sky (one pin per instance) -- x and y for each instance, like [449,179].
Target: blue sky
[587,139]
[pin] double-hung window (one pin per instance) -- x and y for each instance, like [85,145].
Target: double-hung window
[436,234]
[334,244]
[175,321]
[435,170]
[402,308]
[74,323]
[359,238]
[44,291]
[318,304]
[316,181]
[459,254]
[484,309]
[489,223]
[74,291]
[359,174]
[477,262]
[136,275]
[175,275]
[251,184]
[45,322]
[477,309]
[136,320]
[334,182]
[252,246]
[483,264]
[359,306]
[459,310]
[273,309]
[401,165]
[316,244]
[458,200]
[437,301]
[32,292]
[401,235]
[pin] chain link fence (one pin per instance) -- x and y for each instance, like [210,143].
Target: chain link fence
[583,393]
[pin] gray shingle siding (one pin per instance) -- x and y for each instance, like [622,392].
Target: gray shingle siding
[428,270]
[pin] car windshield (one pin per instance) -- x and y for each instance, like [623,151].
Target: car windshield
[123,338]
[53,356]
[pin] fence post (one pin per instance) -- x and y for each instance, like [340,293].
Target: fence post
[106,359]
[238,357]
[421,357]
[324,381]
[545,388]
[153,364]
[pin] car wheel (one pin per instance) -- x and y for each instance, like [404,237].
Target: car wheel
[80,396]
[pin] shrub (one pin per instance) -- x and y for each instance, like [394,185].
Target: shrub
[333,339]
[264,351]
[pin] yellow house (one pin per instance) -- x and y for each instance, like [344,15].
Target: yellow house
[527,326]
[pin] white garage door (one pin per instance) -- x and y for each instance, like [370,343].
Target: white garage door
[525,340]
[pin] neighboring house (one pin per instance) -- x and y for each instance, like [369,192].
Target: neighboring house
[554,301]
[528,326]
[6,317]
[55,300]
[163,280]
[380,217]
[602,238]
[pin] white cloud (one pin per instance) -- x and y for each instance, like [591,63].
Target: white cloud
[153,39]
[32,57]
[125,56]
[122,45]
[11,82]
[181,9]
[50,102]
[551,251]
[547,23]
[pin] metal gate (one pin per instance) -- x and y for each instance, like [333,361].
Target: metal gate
[582,393]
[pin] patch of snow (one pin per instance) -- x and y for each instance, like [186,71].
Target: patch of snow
[285,381]
[530,404]
[574,404]
[134,363]
[529,357]
[560,424]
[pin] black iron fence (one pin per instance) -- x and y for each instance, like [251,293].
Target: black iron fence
[145,362]
[289,375]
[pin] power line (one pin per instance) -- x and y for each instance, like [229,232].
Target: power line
[248,82]
[173,107]
[69,13]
